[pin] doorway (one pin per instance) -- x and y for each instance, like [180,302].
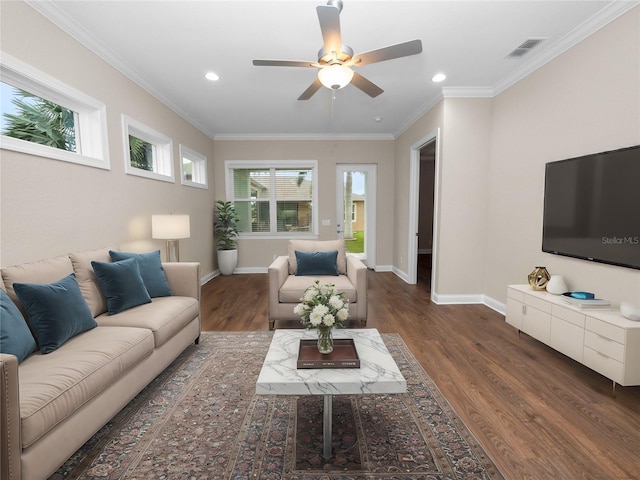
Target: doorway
[356,210]
[423,208]
[425,214]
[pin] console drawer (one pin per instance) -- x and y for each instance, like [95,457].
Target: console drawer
[602,364]
[515,294]
[538,303]
[568,315]
[605,329]
[604,345]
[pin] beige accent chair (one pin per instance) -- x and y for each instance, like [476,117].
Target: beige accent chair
[286,289]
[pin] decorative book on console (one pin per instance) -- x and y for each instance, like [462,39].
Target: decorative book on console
[585,304]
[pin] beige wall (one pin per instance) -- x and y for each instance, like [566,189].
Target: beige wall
[50,207]
[429,123]
[585,101]
[462,193]
[492,154]
[258,253]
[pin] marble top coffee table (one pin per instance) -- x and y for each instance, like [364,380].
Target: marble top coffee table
[378,372]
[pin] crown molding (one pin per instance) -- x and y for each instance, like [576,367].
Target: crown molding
[418,113]
[303,136]
[468,92]
[53,13]
[604,16]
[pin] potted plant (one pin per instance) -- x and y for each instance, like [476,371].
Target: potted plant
[226,232]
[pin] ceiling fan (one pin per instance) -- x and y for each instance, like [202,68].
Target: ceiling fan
[335,60]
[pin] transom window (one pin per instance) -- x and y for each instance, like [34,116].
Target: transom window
[194,167]
[42,116]
[276,200]
[147,152]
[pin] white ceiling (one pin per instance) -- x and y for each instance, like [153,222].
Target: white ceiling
[168,46]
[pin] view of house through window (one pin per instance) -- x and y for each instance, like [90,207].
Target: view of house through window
[274,200]
[28,117]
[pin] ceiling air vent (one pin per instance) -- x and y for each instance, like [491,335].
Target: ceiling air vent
[525,47]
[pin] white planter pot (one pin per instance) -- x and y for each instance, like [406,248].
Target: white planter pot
[227,261]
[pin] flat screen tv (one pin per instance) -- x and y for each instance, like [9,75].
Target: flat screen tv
[592,207]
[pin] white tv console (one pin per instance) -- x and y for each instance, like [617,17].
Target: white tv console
[603,340]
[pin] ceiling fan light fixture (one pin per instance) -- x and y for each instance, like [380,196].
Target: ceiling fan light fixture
[335,76]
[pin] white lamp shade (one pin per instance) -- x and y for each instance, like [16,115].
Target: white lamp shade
[335,76]
[170,227]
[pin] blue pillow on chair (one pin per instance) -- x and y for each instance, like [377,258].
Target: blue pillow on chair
[121,284]
[15,336]
[151,271]
[56,311]
[317,263]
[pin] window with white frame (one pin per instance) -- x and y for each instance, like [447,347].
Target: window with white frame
[45,117]
[147,153]
[194,167]
[278,199]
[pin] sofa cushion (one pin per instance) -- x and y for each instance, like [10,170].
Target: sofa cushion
[164,316]
[316,263]
[318,246]
[56,311]
[87,280]
[15,336]
[44,271]
[54,386]
[122,285]
[151,271]
[293,287]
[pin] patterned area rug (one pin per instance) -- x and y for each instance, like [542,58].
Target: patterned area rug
[201,419]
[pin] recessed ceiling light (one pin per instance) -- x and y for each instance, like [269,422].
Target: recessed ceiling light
[212,76]
[439,77]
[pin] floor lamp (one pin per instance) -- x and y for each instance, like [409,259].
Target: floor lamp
[171,228]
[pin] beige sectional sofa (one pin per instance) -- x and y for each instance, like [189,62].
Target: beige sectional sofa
[287,284]
[51,404]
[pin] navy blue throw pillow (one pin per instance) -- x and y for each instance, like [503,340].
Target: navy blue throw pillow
[15,336]
[151,271]
[121,284]
[56,311]
[317,263]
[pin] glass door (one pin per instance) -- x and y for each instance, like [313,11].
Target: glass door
[355,216]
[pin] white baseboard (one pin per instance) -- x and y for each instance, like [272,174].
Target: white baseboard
[471,299]
[383,268]
[209,277]
[438,299]
[251,270]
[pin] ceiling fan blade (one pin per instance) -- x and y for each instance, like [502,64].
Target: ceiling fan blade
[330,26]
[283,63]
[365,85]
[313,88]
[405,49]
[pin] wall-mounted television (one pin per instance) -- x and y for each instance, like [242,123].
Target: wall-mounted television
[592,207]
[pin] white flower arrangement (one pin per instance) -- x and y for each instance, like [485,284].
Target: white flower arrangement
[322,307]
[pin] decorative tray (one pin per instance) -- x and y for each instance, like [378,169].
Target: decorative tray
[344,355]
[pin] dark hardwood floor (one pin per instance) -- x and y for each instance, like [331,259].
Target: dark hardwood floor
[539,414]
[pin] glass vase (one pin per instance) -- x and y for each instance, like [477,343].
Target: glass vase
[325,340]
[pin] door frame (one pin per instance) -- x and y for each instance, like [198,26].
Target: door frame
[371,169]
[414,203]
